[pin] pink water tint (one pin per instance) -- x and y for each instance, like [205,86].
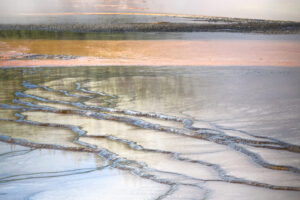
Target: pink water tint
[155,52]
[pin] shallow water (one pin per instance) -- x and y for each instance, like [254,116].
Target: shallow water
[38,48]
[150,133]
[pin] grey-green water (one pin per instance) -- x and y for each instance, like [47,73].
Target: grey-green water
[149,133]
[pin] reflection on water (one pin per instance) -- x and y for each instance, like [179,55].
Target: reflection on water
[259,9]
[43,174]
[150,133]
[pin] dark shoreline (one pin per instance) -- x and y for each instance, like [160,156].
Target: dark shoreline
[132,23]
[249,27]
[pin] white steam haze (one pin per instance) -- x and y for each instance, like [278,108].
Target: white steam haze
[258,9]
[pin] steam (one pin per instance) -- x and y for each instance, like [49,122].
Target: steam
[262,9]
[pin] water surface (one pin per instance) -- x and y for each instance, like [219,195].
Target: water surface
[38,48]
[150,133]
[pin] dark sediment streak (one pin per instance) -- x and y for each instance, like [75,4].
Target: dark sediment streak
[47,174]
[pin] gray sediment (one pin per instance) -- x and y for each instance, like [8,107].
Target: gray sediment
[271,27]
[158,24]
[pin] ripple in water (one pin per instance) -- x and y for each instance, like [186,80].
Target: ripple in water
[149,133]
